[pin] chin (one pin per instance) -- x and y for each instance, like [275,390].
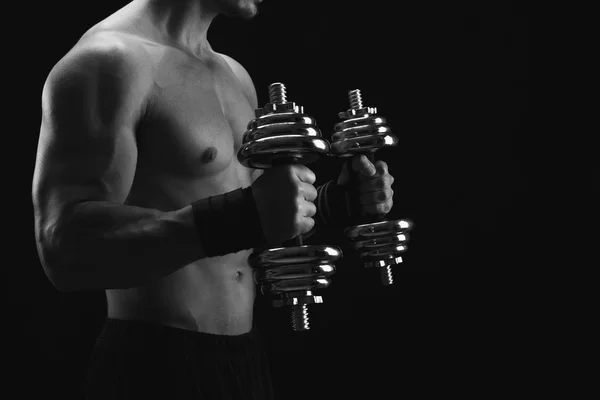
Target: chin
[244,9]
[247,14]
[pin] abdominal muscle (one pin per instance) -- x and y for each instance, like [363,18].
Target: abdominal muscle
[212,295]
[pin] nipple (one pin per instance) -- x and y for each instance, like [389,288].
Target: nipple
[209,155]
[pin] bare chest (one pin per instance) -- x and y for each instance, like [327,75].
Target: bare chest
[195,120]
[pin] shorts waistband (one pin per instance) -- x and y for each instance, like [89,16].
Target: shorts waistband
[137,332]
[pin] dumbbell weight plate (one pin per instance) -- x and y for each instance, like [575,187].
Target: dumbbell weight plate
[282,118]
[315,254]
[368,231]
[364,120]
[273,150]
[293,285]
[387,240]
[349,146]
[266,131]
[297,271]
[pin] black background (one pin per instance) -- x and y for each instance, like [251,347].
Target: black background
[451,79]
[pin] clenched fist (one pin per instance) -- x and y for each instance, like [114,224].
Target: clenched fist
[284,197]
[374,184]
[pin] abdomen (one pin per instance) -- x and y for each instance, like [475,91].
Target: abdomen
[214,295]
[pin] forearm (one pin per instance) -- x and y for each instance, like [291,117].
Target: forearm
[105,245]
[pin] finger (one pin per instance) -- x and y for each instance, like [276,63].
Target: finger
[376,183]
[362,165]
[304,173]
[379,197]
[309,209]
[308,191]
[381,167]
[378,209]
[306,225]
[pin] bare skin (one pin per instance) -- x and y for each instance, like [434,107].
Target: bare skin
[188,110]
[140,119]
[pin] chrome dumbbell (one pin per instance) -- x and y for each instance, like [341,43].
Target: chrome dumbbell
[282,134]
[379,242]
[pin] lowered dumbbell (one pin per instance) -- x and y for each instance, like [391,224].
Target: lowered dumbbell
[282,134]
[379,242]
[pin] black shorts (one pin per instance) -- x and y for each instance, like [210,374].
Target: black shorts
[145,360]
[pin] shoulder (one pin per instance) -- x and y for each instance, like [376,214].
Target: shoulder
[243,76]
[107,59]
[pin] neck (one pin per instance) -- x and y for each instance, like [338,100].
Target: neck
[184,23]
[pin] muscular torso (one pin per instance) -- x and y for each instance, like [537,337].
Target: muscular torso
[187,140]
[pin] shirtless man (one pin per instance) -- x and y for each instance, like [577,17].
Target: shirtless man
[140,127]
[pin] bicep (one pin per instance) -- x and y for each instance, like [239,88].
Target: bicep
[87,148]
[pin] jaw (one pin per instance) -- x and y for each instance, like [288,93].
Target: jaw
[244,9]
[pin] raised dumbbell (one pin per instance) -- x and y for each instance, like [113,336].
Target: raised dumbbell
[380,242]
[282,134]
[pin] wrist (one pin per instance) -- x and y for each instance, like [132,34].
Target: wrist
[228,223]
[333,205]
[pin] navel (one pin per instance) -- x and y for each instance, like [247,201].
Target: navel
[239,276]
[208,155]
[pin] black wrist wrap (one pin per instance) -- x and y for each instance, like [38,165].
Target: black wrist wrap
[333,206]
[228,223]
